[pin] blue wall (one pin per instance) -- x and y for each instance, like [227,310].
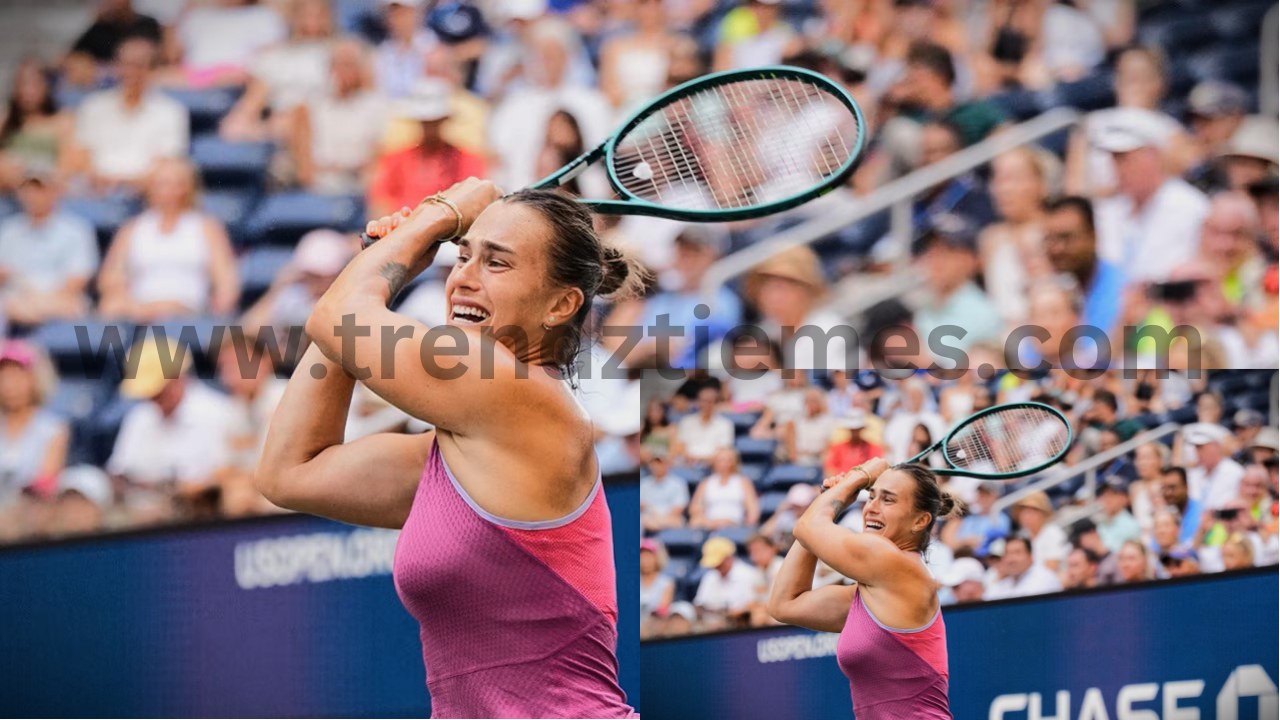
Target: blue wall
[1158,633]
[192,622]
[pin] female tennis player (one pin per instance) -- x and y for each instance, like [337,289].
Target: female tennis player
[505,555]
[893,644]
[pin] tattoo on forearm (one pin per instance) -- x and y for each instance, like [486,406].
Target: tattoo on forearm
[397,275]
[837,506]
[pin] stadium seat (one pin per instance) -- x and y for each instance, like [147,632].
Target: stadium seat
[770,502]
[742,422]
[206,106]
[8,206]
[677,568]
[258,268]
[739,535]
[1238,21]
[105,214]
[59,339]
[1093,92]
[1237,63]
[1184,33]
[782,477]
[282,219]
[684,542]
[231,208]
[75,399]
[227,165]
[691,474]
[752,450]
[197,334]
[687,586]
[101,428]
[753,471]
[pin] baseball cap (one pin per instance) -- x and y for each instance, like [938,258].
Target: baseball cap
[38,171]
[150,376]
[1248,417]
[428,100]
[1038,501]
[1268,437]
[323,252]
[18,352]
[955,230]
[649,544]
[965,569]
[1128,129]
[855,419]
[1113,483]
[87,480]
[523,9]
[989,486]
[684,609]
[717,550]
[1204,433]
[801,494]
[703,235]
[456,22]
[1215,98]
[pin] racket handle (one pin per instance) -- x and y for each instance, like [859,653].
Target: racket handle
[366,240]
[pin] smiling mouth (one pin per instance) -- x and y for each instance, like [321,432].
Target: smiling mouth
[873,526]
[467,315]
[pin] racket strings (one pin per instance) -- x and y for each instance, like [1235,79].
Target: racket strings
[1008,441]
[735,145]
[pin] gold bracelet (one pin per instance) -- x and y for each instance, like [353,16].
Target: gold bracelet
[457,214]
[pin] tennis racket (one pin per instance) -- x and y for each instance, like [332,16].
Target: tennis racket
[1003,442]
[727,146]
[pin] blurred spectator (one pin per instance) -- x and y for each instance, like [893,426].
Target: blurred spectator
[634,66]
[679,295]
[33,133]
[900,429]
[659,433]
[172,260]
[517,128]
[1180,563]
[174,444]
[1081,571]
[84,496]
[403,178]
[1048,540]
[787,290]
[1215,110]
[283,76]
[1152,224]
[1233,519]
[1215,478]
[724,498]
[398,61]
[1019,573]
[681,619]
[1237,553]
[33,444]
[1071,244]
[335,135]
[114,22]
[1174,487]
[317,260]
[1132,562]
[963,581]
[704,433]
[1116,525]
[854,451]
[807,437]
[766,563]
[1228,250]
[664,497]
[979,528]
[656,588]
[1145,497]
[215,43]
[120,132]
[1165,531]
[754,34]
[468,114]
[947,255]
[1253,492]
[1252,153]
[780,525]
[729,585]
[512,61]
[1012,250]
[782,406]
[1104,414]
[1084,534]
[254,392]
[47,256]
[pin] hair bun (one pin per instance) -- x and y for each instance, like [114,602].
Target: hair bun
[622,276]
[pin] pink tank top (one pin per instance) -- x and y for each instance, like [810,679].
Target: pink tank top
[518,619]
[894,674]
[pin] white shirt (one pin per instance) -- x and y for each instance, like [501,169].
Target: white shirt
[228,36]
[702,440]
[718,593]
[518,127]
[725,498]
[1164,234]
[122,142]
[187,447]
[170,266]
[1051,544]
[293,72]
[1215,489]
[1037,580]
[899,429]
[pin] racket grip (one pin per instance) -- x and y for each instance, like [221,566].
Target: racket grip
[366,240]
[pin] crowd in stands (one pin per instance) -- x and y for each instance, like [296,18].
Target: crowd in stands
[1174,476]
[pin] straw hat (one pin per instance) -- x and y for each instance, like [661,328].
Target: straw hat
[798,264]
[1037,500]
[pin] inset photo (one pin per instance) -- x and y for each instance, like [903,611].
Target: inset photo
[1053,544]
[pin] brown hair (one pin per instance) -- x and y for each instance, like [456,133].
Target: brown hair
[929,497]
[580,258]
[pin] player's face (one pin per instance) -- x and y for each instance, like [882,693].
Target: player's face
[890,509]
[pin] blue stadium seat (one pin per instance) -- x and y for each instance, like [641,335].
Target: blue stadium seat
[684,542]
[231,208]
[677,568]
[753,471]
[282,219]
[687,586]
[692,474]
[753,450]
[742,422]
[1092,92]
[1018,104]
[770,502]
[75,399]
[1239,21]
[8,206]
[1183,33]
[782,477]
[69,97]
[59,339]
[739,535]
[105,214]
[1237,63]
[226,165]
[197,334]
[258,268]
[101,428]
[206,106]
